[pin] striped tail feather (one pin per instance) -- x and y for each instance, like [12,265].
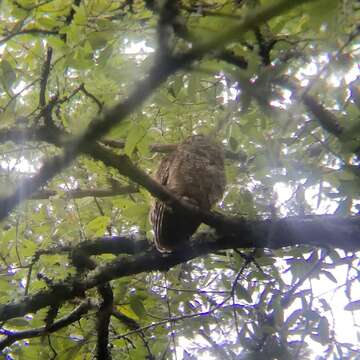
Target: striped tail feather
[171,230]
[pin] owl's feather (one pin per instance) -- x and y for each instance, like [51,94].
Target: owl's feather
[193,172]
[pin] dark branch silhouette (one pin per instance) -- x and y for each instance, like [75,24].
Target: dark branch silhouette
[322,231]
[75,315]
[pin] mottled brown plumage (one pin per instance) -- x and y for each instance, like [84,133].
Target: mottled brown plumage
[193,172]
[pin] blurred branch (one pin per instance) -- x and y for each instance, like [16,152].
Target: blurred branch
[21,136]
[168,12]
[330,123]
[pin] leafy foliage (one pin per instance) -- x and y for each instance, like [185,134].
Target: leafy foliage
[282,96]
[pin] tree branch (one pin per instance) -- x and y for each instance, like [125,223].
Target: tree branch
[75,315]
[99,104]
[103,322]
[340,232]
[326,119]
[44,78]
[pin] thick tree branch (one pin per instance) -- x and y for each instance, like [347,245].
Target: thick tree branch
[323,231]
[21,136]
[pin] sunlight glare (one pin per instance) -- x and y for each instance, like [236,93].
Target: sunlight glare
[20,165]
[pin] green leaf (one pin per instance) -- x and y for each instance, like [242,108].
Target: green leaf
[325,305]
[49,22]
[265,261]
[98,40]
[293,318]
[144,146]
[137,306]
[7,75]
[242,293]
[105,55]
[193,86]
[137,213]
[233,143]
[329,275]
[128,311]
[17,322]
[80,17]
[97,226]
[320,12]
[311,315]
[353,306]
[28,248]
[7,236]
[323,330]
[137,132]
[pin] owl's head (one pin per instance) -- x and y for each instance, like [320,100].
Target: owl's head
[204,146]
[197,140]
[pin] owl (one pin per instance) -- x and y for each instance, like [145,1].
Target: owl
[194,172]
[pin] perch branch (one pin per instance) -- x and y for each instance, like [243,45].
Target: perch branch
[324,231]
